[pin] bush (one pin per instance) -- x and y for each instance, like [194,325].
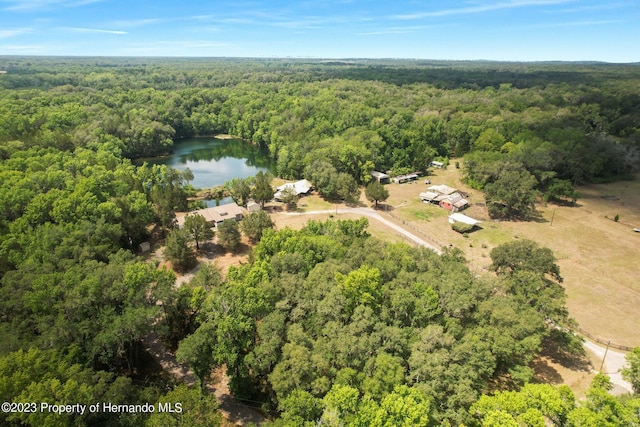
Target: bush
[461,227]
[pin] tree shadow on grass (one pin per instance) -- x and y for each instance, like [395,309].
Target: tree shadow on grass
[356,204]
[561,352]
[557,352]
[545,373]
[564,203]
[384,207]
[536,216]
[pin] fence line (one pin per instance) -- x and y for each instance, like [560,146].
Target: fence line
[578,329]
[417,230]
[592,337]
[431,239]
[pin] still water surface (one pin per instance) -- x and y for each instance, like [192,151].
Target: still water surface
[215,161]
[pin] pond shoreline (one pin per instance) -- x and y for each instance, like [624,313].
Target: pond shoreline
[221,136]
[214,161]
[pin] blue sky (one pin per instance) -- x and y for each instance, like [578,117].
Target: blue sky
[512,30]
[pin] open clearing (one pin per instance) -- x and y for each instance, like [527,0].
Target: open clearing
[599,258]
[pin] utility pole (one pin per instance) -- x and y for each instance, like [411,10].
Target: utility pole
[605,355]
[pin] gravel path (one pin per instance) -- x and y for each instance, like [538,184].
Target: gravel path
[375,215]
[613,362]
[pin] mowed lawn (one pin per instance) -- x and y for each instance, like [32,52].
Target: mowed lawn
[599,258]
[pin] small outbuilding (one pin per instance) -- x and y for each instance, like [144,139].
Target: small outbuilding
[454,202]
[144,247]
[442,189]
[446,197]
[429,196]
[382,178]
[406,178]
[436,164]
[462,223]
[252,206]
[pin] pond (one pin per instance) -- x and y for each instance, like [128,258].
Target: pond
[215,161]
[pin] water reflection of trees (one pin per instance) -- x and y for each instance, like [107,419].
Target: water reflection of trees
[236,149]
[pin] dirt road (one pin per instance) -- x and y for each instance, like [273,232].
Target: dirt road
[613,362]
[231,409]
[375,215]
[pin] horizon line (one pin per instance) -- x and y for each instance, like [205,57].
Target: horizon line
[319,58]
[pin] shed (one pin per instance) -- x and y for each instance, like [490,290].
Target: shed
[252,206]
[458,217]
[144,247]
[454,202]
[436,164]
[428,196]
[405,178]
[382,178]
[442,189]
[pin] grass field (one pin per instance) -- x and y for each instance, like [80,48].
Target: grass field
[315,203]
[599,258]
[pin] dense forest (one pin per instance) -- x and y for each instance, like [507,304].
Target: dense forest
[323,325]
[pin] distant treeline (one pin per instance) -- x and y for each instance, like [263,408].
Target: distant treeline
[581,120]
[324,325]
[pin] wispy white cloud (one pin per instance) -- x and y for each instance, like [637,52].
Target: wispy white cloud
[35,5]
[309,22]
[5,34]
[21,48]
[397,30]
[591,8]
[256,17]
[482,8]
[84,2]
[574,24]
[93,30]
[207,28]
[176,48]
[134,23]
[204,18]
[230,21]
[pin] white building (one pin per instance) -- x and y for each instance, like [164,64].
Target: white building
[299,187]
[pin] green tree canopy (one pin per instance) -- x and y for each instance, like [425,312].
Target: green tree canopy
[178,251]
[240,190]
[229,234]
[254,224]
[631,372]
[376,192]
[512,194]
[262,191]
[525,255]
[198,228]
